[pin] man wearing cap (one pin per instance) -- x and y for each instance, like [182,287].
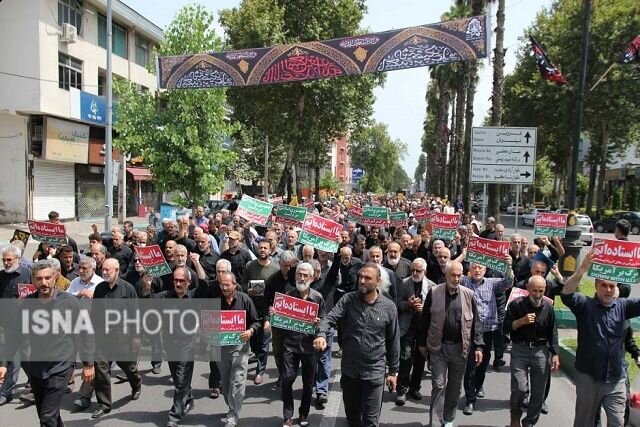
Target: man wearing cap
[238,256]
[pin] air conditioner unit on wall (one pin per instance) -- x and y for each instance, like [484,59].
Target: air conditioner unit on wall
[69,33]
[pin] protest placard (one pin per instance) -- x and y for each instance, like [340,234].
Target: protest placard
[487,252]
[445,225]
[290,215]
[517,293]
[294,314]
[374,216]
[20,235]
[422,214]
[398,219]
[26,289]
[550,224]
[355,214]
[48,232]
[224,327]
[616,260]
[152,260]
[321,233]
[254,210]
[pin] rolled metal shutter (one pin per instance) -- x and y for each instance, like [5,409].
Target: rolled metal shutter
[53,189]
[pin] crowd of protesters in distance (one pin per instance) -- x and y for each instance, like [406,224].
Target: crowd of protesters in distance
[395,305]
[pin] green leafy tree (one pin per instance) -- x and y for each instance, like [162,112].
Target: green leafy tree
[329,182]
[179,133]
[301,117]
[421,169]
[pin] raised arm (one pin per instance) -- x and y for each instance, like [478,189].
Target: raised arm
[572,282]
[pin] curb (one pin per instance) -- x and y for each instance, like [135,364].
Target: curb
[567,361]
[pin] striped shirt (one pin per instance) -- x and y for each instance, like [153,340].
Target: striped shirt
[370,335]
[484,293]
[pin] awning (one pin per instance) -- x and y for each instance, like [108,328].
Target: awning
[140,174]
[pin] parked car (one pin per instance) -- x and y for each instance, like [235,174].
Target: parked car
[587,228]
[529,216]
[607,225]
[511,209]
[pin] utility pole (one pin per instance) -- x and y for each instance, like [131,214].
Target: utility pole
[572,202]
[265,183]
[108,160]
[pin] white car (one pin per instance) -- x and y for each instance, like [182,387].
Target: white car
[587,229]
[529,217]
[511,209]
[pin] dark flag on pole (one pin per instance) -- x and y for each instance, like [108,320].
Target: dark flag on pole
[548,71]
[631,53]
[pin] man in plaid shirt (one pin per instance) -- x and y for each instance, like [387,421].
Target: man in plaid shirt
[484,293]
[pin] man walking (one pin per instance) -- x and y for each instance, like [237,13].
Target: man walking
[531,322]
[298,350]
[370,328]
[449,329]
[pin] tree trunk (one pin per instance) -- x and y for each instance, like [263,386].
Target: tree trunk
[296,169]
[593,170]
[441,133]
[451,166]
[459,131]
[472,81]
[496,99]
[317,181]
[603,169]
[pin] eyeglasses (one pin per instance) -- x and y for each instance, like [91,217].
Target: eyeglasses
[416,270]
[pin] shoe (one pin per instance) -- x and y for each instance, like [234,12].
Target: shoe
[401,399]
[215,393]
[121,378]
[253,359]
[480,392]
[81,404]
[28,399]
[322,398]
[415,394]
[468,409]
[4,400]
[302,421]
[545,408]
[498,363]
[135,394]
[100,412]
[525,403]
[448,424]
[189,407]
[172,424]
[258,379]
[287,423]
[276,386]
[155,370]
[225,418]
[339,353]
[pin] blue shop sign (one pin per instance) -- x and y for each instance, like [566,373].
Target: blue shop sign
[93,108]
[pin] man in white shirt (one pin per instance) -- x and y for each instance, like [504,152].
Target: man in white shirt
[85,283]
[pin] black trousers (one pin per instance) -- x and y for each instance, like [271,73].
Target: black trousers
[214,375]
[290,363]
[102,382]
[181,374]
[474,375]
[48,395]
[362,400]
[411,364]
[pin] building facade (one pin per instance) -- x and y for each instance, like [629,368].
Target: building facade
[52,109]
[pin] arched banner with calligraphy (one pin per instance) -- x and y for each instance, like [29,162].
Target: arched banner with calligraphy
[422,46]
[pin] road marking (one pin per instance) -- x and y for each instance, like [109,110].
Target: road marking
[331,409]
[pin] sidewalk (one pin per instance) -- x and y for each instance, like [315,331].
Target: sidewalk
[77,230]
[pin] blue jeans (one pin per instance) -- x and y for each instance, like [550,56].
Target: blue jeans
[260,346]
[324,367]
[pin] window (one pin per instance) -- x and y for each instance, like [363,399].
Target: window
[69,72]
[143,51]
[70,12]
[102,82]
[118,37]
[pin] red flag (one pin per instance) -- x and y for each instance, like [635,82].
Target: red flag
[548,71]
[631,52]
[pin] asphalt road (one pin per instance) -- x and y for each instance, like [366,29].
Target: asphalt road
[263,406]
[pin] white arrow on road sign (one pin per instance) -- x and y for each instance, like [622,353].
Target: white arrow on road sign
[503,155]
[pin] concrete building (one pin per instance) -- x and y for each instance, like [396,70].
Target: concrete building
[52,113]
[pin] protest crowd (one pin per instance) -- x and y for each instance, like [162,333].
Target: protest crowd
[398,288]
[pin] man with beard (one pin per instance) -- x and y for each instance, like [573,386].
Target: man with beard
[436,273]
[400,266]
[383,241]
[489,231]
[342,277]
[299,350]
[99,254]
[69,269]
[411,299]
[372,238]
[308,253]
[11,277]
[235,358]
[204,261]
[531,322]
[238,256]
[368,345]
[114,287]
[49,377]
[180,259]
[406,243]
[260,269]
[359,251]
[450,330]
[120,251]
[272,237]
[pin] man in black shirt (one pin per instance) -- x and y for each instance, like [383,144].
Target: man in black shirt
[531,322]
[237,255]
[120,252]
[368,344]
[113,288]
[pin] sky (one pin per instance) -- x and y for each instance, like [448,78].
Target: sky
[401,102]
